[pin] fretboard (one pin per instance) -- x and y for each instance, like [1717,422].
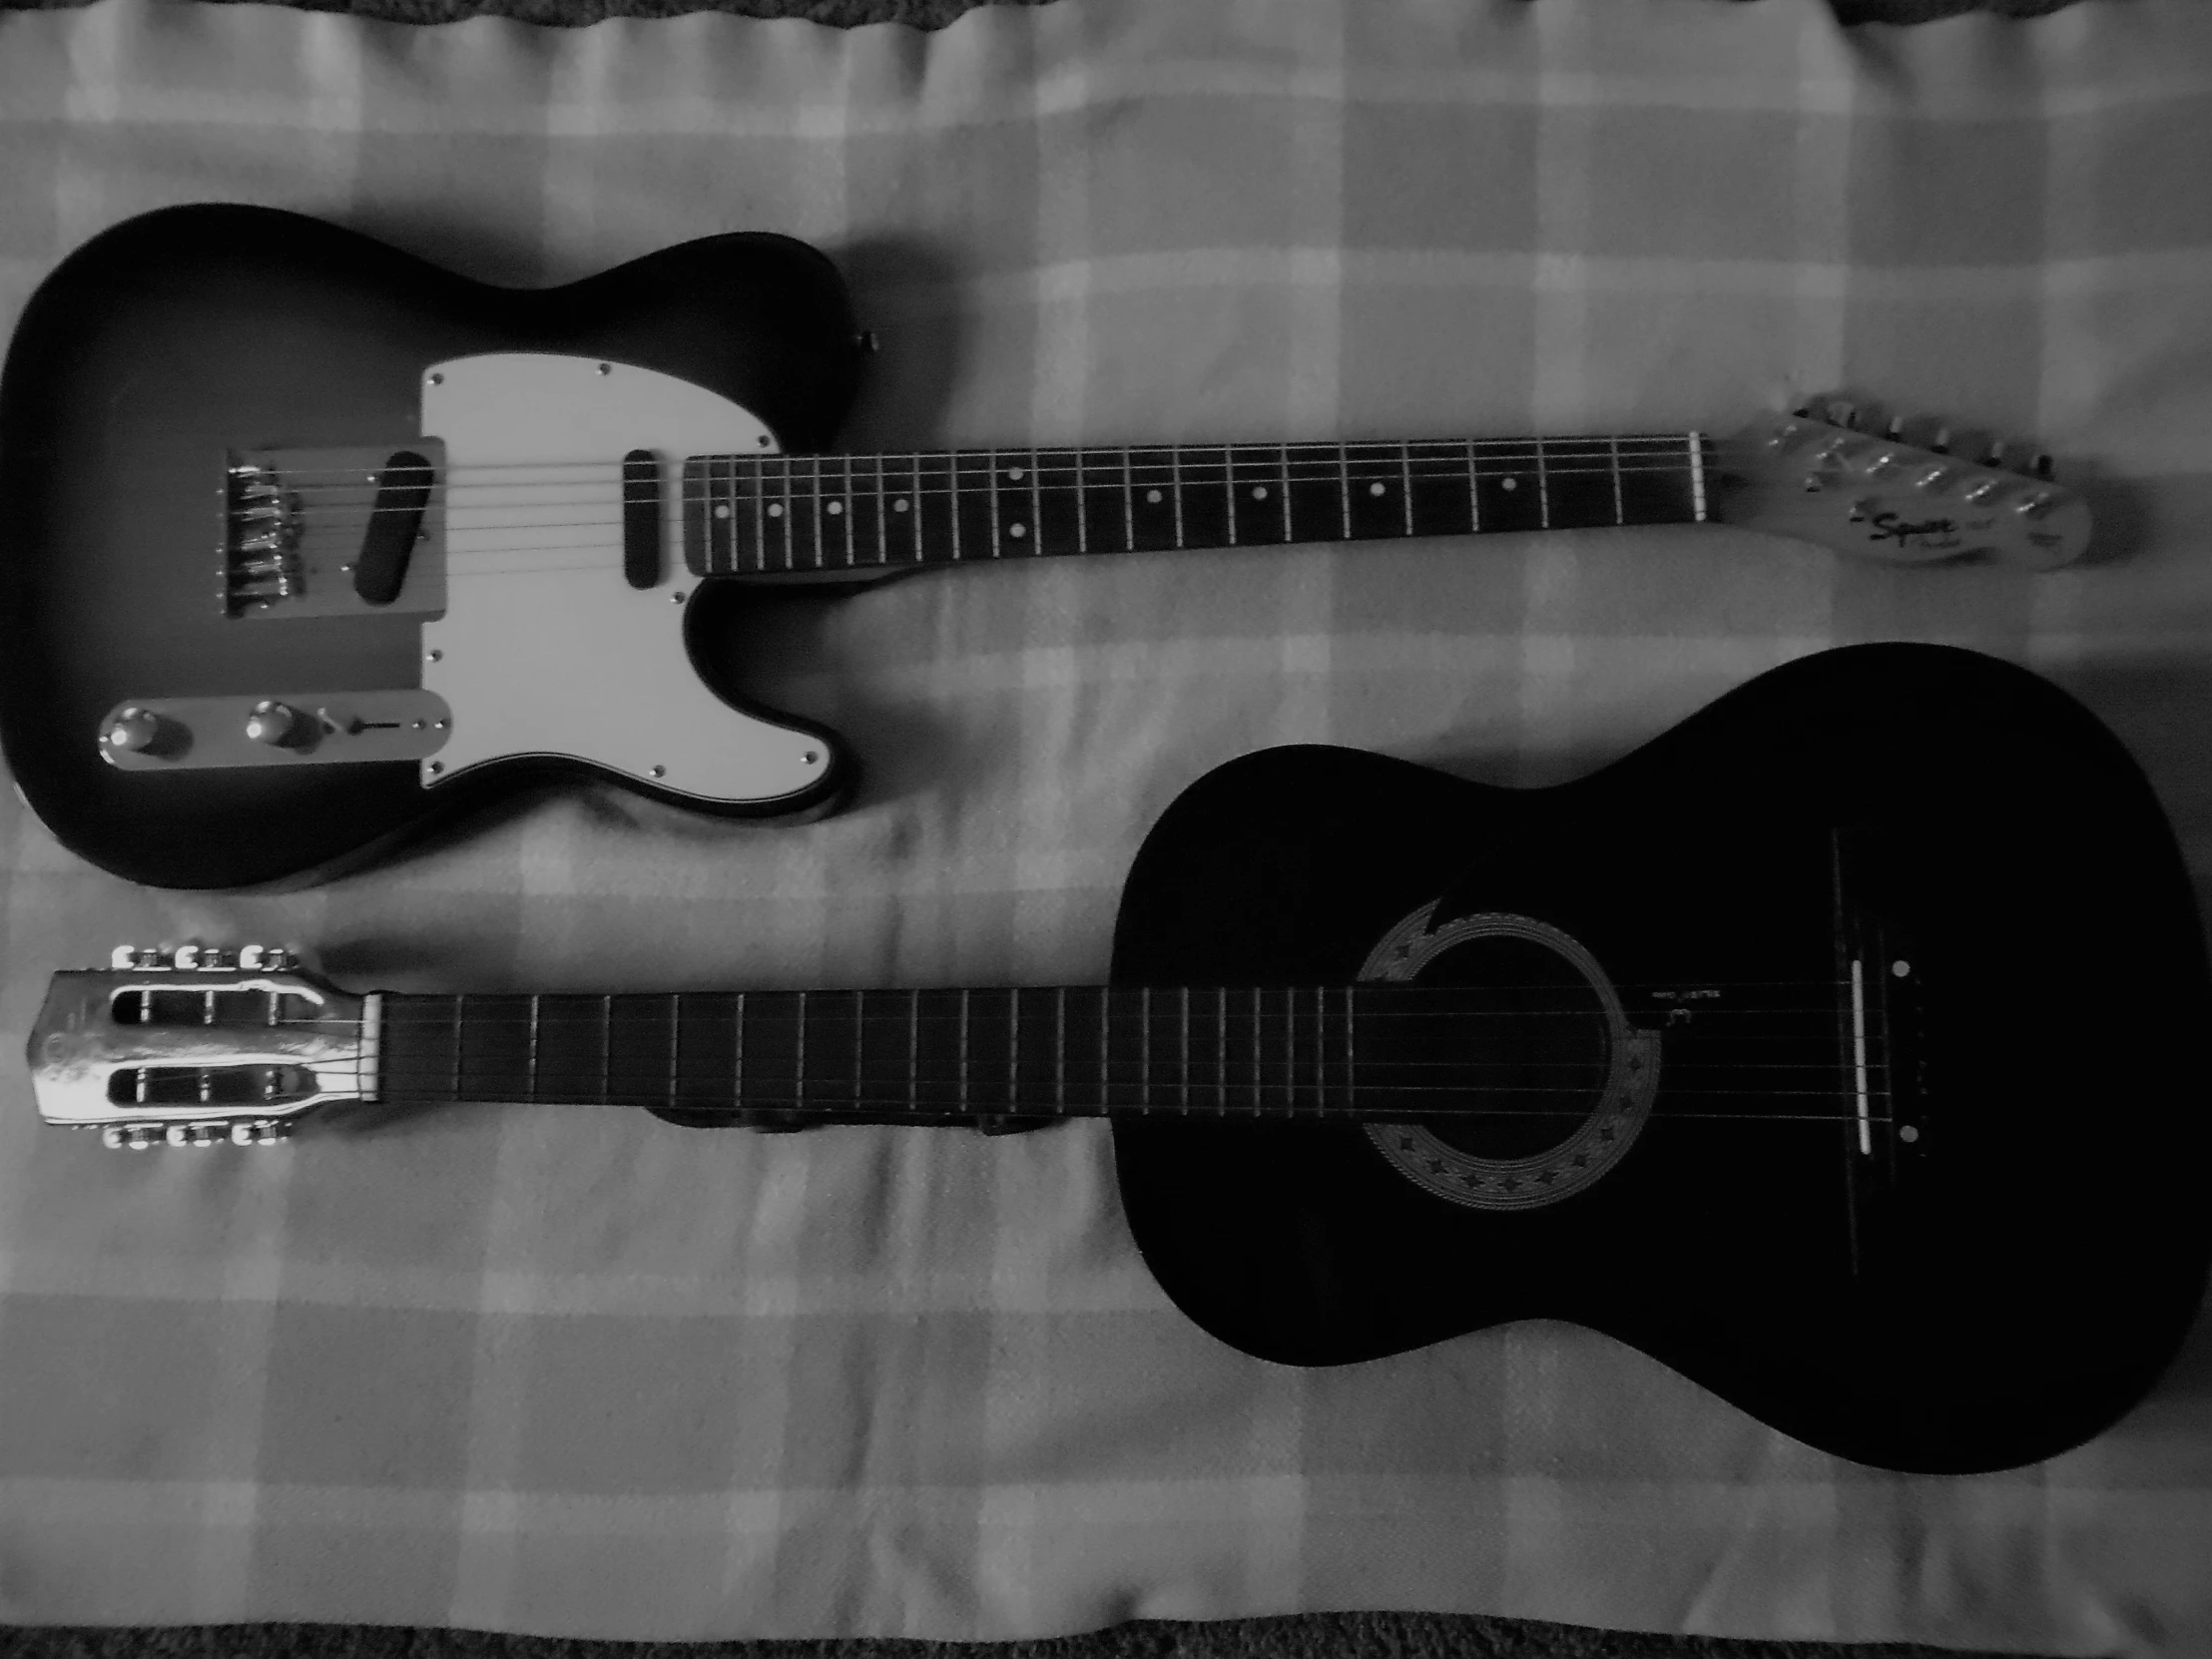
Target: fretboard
[763,515]
[926,1056]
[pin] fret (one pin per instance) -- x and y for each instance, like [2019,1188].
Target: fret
[1204,516]
[1613,466]
[1258,1067]
[1289,1048]
[1474,495]
[672,1039]
[1186,1051]
[1352,1089]
[1155,519]
[1506,490]
[842,506]
[913,1051]
[1343,485]
[910,505]
[1405,483]
[760,519]
[606,1046]
[1105,1047]
[1283,457]
[1144,1047]
[799,1055]
[1128,503]
[936,523]
[1222,1049]
[1373,493]
[533,1058]
[460,1010]
[1544,488]
[699,548]
[990,469]
[1175,489]
[1060,1047]
[877,513]
[963,1094]
[1438,489]
[1036,504]
[736,1052]
[974,510]
[1013,1044]
[860,1045]
[1258,508]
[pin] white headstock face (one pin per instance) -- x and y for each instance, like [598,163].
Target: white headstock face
[1821,475]
[197,1047]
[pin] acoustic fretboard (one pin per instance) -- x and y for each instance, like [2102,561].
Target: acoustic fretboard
[763,515]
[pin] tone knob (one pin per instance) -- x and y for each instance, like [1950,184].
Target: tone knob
[138,731]
[276,724]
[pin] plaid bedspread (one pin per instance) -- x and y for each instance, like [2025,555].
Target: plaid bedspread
[582,1372]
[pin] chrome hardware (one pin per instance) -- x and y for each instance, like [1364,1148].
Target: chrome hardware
[276,724]
[140,731]
[1842,412]
[2042,466]
[1939,442]
[1937,477]
[283,550]
[182,1048]
[288,727]
[2035,503]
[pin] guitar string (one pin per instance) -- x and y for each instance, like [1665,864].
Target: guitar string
[1092,457]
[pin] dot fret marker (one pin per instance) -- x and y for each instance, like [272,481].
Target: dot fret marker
[775,509]
[836,507]
[899,505]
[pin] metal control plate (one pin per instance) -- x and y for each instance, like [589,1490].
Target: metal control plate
[334,727]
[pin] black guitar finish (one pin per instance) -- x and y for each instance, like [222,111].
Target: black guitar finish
[183,333]
[1997,1289]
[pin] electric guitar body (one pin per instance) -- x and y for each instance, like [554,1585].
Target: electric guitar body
[1893,884]
[306,543]
[186,391]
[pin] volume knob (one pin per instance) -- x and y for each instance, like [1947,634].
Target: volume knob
[276,724]
[138,731]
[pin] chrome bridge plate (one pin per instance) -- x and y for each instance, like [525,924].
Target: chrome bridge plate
[294,522]
[274,729]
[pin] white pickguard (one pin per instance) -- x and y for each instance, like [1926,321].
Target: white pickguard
[545,649]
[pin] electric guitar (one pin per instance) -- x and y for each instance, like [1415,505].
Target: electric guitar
[305,542]
[1840,1048]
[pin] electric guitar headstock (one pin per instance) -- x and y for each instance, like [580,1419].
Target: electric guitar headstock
[1838,474]
[195,1046]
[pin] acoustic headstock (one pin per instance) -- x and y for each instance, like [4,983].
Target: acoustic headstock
[1838,474]
[195,1046]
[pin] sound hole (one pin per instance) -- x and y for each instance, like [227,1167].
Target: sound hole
[1525,1054]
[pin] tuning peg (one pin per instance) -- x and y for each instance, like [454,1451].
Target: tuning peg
[190,957]
[265,959]
[1842,412]
[192,1134]
[259,1132]
[148,958]
[2042,466]
[1938,441]
[129,1137]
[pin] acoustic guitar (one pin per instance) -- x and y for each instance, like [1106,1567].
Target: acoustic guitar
[1839,1048]
[305,542]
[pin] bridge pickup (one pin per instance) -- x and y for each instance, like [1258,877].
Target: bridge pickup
[395,525]
[640,518]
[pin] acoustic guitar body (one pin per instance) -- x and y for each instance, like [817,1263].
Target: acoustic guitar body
[166,350]
[1915,959]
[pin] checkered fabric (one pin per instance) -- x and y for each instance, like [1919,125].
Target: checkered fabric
[583,1373]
